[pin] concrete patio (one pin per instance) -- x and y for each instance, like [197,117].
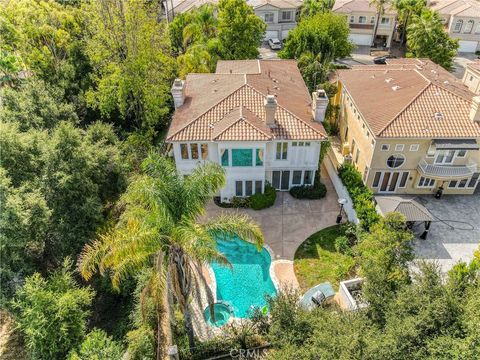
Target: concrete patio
[455,234]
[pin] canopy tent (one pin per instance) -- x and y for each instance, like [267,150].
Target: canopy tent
[410,208]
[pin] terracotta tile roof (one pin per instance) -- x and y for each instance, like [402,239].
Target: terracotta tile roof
[467,8]
[230,107]
[238,67]
[355,6]
[474,65]
[181,6]
[420,101]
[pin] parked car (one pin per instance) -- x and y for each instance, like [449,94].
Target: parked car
[275,44]
[382,60]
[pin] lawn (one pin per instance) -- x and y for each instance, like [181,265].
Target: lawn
[317,261]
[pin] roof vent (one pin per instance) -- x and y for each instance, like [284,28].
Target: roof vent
[438,116]
[395,87]
[387,80]
[446,82]
[433,71]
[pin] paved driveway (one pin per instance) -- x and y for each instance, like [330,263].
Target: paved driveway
[455,235]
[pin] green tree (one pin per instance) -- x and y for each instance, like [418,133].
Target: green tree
[323,34]
[97,346]
[314,69]
[130,52]
[52,313]
[313,7]
[383,255]
[160,229]
[202,27]
[240,31]
[426,37]
[405,10]
[379,6]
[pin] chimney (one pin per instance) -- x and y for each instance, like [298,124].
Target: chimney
[319,105]
[178,92]
[475,109]
[270,109]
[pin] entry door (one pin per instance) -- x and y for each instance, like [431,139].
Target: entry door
[285,180]
[389,181]
[281,179]
[276,179]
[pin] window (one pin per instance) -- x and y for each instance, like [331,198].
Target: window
[445,157]
[473,180]
[241,157]
[458,26]
[352,19]
[471,78]
[297,178]
[403,180]
[462,183]
[399,147]
[282,150]
[458,184]
[300,143]
[426,182]
[307,143]
[258,157]
[286,15]
[184,151]
[395,161]
[368,134]
[376,179]
[461,153]
[414,147]
[431,151]
[224,155]
[362,19]
[385,21]
[353,147]
[357,156]
[268,17]
[248,188]
[372,20]
[365,173]
[239,188]
[258,187]
[294,143]
[477,29]
[204,149]
[373,143]
[468,27]
[194,151]
[452,184]
[385,147]
[307,177]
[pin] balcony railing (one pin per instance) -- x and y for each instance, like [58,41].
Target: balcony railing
[361,26]
[447,171]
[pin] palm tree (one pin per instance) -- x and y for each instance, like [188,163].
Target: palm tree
[313,7]
[405,10]
[380,7]
[160,228]
[315,68]
[203,26]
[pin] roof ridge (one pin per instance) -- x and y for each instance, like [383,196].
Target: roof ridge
[429,83]
[236,122]
[210,108]
[288,111]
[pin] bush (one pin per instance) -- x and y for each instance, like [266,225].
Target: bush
[308,191]
[362,196]
[342,244]
[265,200]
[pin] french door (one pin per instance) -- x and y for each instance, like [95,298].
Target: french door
[445,157]
[389,181]
[281,180]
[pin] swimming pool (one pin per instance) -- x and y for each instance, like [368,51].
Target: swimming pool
[247,282]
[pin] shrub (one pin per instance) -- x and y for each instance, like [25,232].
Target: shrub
[308,191]
[265,200]
[342,244]
[362,196]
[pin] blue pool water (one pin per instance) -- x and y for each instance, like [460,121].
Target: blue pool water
[248,280]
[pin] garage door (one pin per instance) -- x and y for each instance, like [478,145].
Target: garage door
[271,35]
[361,39]
[467,46]
[285,34]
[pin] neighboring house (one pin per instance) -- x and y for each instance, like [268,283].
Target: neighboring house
[255,118]
[471,77]
[279,15]
[361,17]
[462,21]
[410,126]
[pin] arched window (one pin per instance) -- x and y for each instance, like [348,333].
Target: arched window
[468,27]
[458,26]
[395,161]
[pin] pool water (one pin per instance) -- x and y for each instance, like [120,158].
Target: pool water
[246,283]
[222,314]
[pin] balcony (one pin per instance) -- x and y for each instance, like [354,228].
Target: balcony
[447,171]
[361,26]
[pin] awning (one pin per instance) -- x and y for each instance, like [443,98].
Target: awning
[456,144]
[411,209]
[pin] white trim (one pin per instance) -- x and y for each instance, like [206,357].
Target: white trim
[429,181]
[414,147]
[387,149]
[399,147]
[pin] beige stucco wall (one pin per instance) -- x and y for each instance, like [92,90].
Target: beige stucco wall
[471,78]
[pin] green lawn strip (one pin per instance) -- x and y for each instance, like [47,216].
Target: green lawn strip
[317,261]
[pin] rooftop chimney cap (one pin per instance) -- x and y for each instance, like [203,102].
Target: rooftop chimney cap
[321,93]
[178,82]
[270,99]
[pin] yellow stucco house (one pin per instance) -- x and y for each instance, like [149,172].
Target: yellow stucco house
[410,127]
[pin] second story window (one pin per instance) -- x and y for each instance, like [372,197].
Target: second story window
[458,26]
[242,157]
[372,20]
[468,27]
[352,19]
[224,157]
[268,17]
[362,19]
[395,161]
[286,16]
[258,157]
[282,150]
[194,151]
[385,21]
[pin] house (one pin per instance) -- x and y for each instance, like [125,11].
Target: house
[279,15]
[255,118]
[462,21]
[361,17]
[410,127]
[471,77]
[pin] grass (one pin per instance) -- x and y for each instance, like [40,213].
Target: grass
[317,261]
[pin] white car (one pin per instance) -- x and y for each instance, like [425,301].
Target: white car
[275,44]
